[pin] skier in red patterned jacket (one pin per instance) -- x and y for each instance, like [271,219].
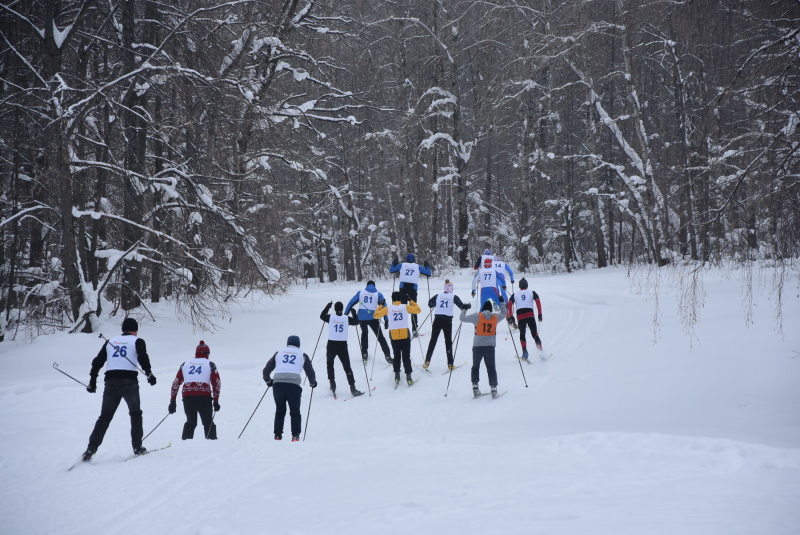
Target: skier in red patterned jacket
[201,386]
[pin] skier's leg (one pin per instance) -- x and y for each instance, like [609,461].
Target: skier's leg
[376,327]
[491,369]
[330,356]
[111,399]
[279,395]
[475,374]
[190,408]
[130,393]
[364,338]
[344,356]
[205,408]
[293,397]
[406,353]
[434,336]
[447,329]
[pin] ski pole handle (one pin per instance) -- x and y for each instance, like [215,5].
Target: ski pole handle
[56,368]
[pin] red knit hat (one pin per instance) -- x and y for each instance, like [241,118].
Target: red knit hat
[202,350]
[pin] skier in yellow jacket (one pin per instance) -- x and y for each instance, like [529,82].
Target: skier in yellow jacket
[398,315]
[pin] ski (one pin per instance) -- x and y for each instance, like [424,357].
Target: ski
[501,394]
[423,368]
[476,396]
[361,394]
[527,361]
[77,464]
[454,369]
[146,452]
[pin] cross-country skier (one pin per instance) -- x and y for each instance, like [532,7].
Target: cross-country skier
[524,299]
[398,314]
[120,356]
[368,299]
[337,343]
[288,364]
[443,305]
[201,388]
[486,254]
[503,270]
[484,342]
[486,278]
[409,275]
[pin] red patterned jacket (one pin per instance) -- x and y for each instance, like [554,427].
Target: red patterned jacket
[191,388]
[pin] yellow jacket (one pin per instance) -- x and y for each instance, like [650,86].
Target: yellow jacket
[397,334]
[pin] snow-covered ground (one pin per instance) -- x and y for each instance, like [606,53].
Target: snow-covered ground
[615,434]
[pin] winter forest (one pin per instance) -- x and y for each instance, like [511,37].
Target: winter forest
[198,150]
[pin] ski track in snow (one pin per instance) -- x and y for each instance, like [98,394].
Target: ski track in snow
[614,435]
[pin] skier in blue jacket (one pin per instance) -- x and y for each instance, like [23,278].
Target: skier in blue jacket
[368,300]
[409,272]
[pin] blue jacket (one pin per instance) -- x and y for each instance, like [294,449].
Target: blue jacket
[395,268]
[364,314]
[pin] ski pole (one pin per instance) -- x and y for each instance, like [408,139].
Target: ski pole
[123,356]
[56,368]
[315,348]
[156,427]
[254,411]
[308,414]
[511,334]
[213,413]
[455,349]
[369,389]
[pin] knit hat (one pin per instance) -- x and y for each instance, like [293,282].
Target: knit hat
[129,325]
[487,251]
[293,340]
[410,258]
[487,306]
[523,284]
[396,296]
[202,350]
[448,286]
[338,307]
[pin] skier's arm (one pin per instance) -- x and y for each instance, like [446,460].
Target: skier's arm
[325,314]
[425,270]
[538,305]
[352,303]
[510,273]
[98,362]
[176,383]
[469,318]
[381,311]
[144,358]
[353,318]
[413,308]
[269,368]
[216,382]
[460,304]
[432,301]
[309,369]
[511,305]
[395,268]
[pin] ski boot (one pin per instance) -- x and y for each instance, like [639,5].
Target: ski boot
[88,454]
[295,438]
[451,367]
[426,364]
[409,380]
[141,450]
[278,436]
[355,392]
[475,390]
[494,392]
[364,357]
[414,333]
[388,359]
[396,377]
[525,354]
[539,347]
[333,387]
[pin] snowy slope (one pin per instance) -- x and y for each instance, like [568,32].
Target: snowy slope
[615,434]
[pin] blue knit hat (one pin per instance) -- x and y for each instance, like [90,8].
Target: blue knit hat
[410,258]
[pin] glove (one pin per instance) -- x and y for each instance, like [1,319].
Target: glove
[467,306]
[92,388]
[216,405]
[313,384]
[540,317]
[511,319]
[269,382]
[473,293]
[328,307]
[172,406]
[151,379]
[427,265]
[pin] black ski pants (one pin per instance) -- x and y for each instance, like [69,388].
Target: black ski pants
[402,351]
[410,293]
[114,392]
[530,323]
[338,348]
[287,394]
[192,406]
[443,324]
[486,354]
[375,325]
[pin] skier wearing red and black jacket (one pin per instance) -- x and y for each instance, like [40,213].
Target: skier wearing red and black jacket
[201,388]
[120,356]
[337,343]
[524,299]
